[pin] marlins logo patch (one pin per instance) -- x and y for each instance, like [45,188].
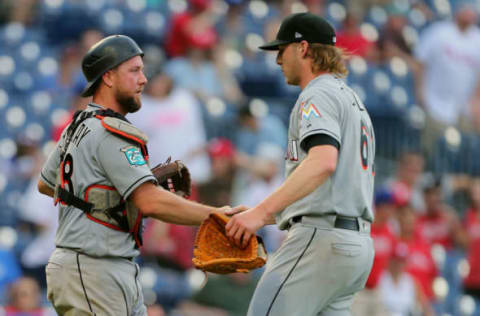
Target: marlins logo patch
[307,111]
[134,156]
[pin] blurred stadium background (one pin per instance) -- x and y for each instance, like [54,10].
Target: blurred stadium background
[222,105]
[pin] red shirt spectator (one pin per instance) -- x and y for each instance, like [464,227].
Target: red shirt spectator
[384,242]
[405,185]
[420,265]
[439,225]
[12,311]
[382,235]
[192,28]
[171,244]
[435,229]
[351,39]
[472,225]
[58,128]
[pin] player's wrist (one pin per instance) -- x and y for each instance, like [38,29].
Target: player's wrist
[266,214]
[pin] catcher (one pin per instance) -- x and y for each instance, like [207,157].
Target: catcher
[99,176]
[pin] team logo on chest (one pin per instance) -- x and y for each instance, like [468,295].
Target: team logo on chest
[308,110]
[134,156]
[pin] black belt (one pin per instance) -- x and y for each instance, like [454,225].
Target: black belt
[340,222]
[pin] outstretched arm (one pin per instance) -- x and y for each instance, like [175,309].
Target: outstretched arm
[312,172]
[161,204]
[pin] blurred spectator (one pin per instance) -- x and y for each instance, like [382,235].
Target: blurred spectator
[169,245]
[351,39]
[263,173]
[406,184]
[27,162]
[368,302]
[22,11]
[440,227]
[64,85]
[392,39]
[201,72]
[167,250]
[25,300]
[232,27]
[38,210]
[5,7]
[87,39]
[472,226]
[361,7]
[78,103]
[171,118]
[399,291]
[197,62]
[257,177]
[439,224]
[254,130]
[10,270]
[449,72]
[192,28]
[419,263]
[70,80]
[217,191]
[223,295]
[317,7]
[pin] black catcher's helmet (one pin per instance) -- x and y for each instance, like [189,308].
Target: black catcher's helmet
[105,55]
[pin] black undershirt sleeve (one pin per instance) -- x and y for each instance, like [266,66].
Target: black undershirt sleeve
[318,139]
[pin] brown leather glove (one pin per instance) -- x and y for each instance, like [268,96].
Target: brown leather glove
[215,253]
[174,176]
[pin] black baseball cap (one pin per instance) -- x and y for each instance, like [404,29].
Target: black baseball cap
[303,26]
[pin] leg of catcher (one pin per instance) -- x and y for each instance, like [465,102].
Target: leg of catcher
[312,269]
[82,285]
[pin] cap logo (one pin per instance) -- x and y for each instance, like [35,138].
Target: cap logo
[334,39]
[298,35]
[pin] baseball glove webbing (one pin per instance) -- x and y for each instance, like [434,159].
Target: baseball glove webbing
[215,253]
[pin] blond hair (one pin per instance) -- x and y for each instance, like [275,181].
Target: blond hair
[327,58]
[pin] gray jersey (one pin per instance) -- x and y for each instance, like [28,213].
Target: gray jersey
[97,157]
[328,106]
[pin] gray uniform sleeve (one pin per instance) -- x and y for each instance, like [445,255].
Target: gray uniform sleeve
[50,168]
[124,164]
[318,115]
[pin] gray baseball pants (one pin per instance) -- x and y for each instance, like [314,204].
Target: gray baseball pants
[316,271]
[78,284]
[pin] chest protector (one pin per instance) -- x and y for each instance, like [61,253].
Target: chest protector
[101,203]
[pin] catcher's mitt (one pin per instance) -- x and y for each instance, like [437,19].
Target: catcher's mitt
[173,176]
[215,253]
